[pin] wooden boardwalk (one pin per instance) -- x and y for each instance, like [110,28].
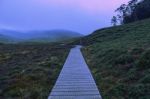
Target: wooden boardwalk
[75,80]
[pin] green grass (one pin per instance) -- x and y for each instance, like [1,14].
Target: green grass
[30,71]
[119,58]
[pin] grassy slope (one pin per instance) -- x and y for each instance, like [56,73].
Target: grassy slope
[119,58]
[29,71]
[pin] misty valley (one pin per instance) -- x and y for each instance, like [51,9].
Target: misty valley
[11,36]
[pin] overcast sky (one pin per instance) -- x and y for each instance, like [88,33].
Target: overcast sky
[83,16]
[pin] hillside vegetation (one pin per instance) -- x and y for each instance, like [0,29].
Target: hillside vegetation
[119,58]
[29,71]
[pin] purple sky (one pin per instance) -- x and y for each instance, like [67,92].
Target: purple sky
[82,16]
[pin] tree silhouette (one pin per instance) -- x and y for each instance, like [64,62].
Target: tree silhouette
[122,12]
[135,10]
[114,21]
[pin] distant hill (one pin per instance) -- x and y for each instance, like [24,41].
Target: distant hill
[39,36]
[53,36]
[4,38]
[119,58]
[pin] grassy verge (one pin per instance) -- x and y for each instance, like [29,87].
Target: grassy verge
[119,59]
[30,71]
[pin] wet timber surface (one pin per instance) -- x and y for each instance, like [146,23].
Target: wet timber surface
[75,80]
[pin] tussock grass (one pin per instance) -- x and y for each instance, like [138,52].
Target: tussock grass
[30,71]
[119,58]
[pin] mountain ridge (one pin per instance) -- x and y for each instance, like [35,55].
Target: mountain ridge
[38,36]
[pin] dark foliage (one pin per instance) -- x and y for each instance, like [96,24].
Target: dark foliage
[135,10]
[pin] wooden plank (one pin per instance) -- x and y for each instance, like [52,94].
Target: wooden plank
[75,80]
